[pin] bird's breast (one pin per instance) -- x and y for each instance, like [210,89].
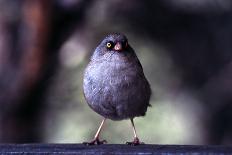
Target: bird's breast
[114,73]
[115,89]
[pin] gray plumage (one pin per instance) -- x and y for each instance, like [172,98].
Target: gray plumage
[114,83]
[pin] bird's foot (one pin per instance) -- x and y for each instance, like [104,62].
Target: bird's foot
[135,142]
[95,141]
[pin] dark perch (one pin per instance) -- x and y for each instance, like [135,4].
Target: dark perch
[111,149]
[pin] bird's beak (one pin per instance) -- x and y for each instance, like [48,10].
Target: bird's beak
[118,46]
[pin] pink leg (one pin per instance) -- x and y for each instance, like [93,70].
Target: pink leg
[96,140]
[136,139]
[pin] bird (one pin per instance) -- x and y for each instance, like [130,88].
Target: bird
[114,84]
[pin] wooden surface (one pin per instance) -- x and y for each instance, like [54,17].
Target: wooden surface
[110,149]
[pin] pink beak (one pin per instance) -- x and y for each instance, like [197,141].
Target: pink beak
[118,46]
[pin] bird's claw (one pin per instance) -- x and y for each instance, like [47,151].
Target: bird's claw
[95,142]
[135,142]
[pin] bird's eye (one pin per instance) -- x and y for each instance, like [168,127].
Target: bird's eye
[109,45]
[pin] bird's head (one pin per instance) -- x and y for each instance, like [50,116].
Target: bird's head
[115,43]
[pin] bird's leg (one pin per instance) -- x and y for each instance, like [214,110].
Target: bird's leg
[136,139]
[96,140]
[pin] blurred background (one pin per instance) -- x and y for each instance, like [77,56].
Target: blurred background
[184,47]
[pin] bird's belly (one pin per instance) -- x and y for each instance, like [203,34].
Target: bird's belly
[116,94]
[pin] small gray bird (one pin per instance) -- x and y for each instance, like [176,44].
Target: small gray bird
[114,84]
